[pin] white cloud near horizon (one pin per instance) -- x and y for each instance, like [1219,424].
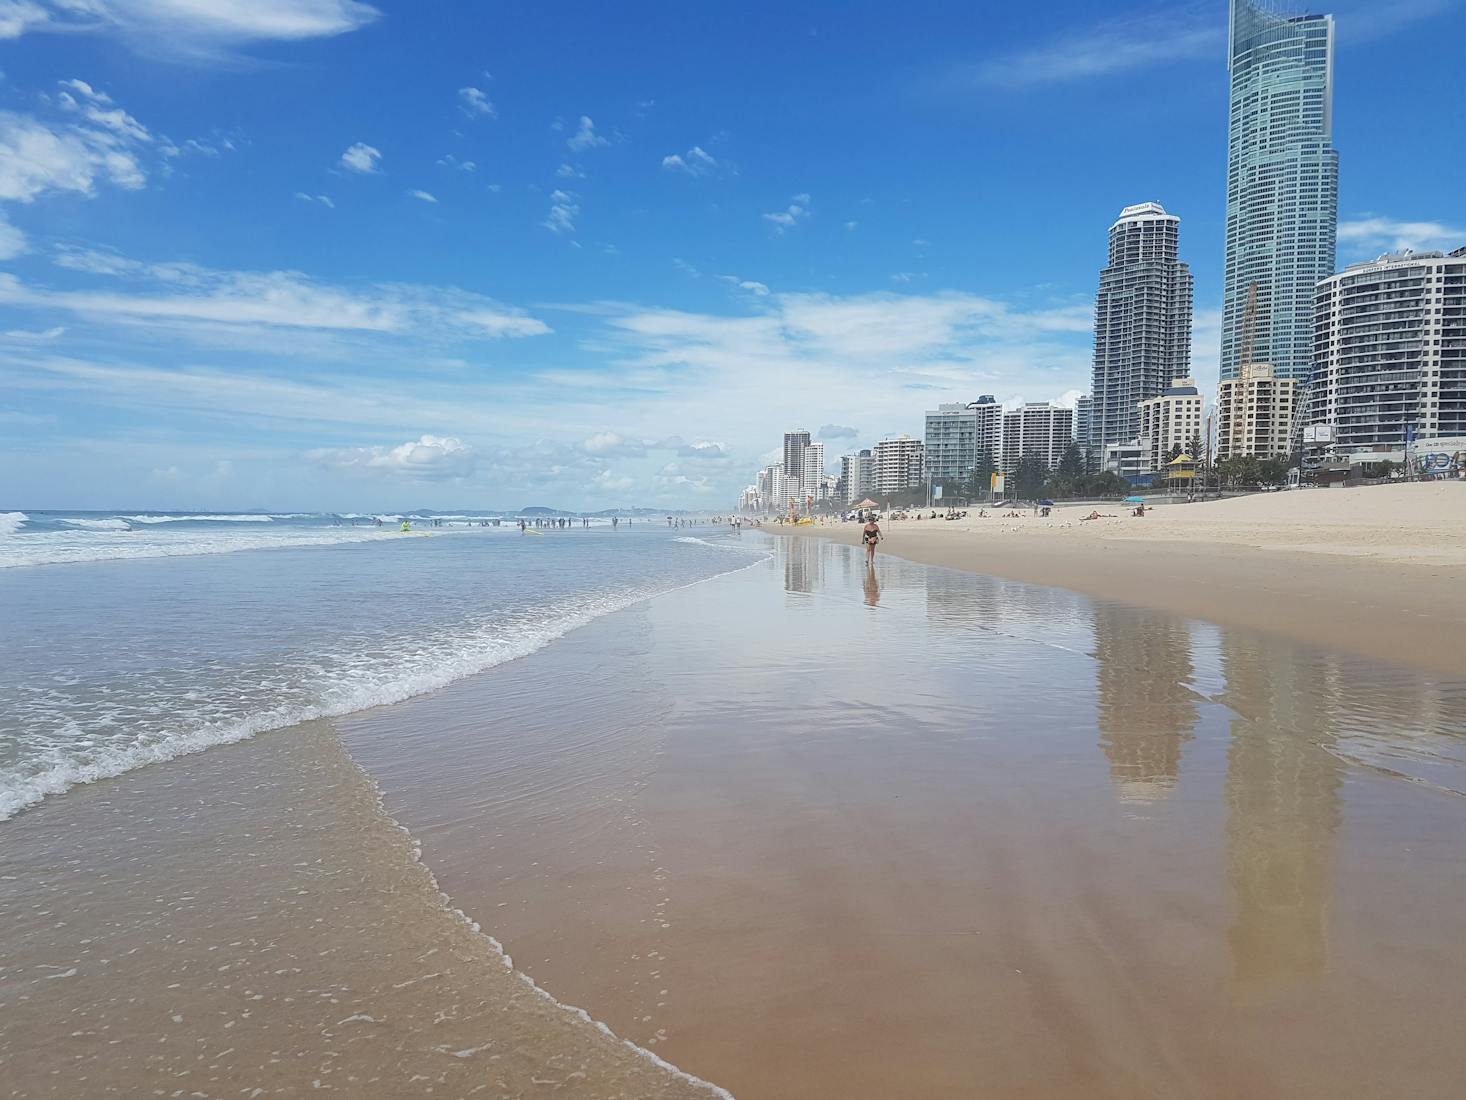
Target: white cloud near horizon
[1391,234]
[362,158]
[431,458]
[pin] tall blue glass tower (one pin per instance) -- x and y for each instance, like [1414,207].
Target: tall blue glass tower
[1282,183]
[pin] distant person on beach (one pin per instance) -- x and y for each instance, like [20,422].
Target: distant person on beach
[870,534]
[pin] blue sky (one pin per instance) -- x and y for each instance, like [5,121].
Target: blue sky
[328,254]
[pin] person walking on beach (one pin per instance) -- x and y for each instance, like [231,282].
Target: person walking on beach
[870,534]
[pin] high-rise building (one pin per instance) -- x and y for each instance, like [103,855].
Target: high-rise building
[794,444]
[1282,184]
[1390,352]
[957,435]
[812,474]
[857,472]
[1036,428]
[1170,422]
[1142,321]
[1255,414]
[897,464]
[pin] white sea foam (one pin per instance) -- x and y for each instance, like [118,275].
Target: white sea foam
[692,540]
[99,524]
[70,547]
[10,522]
[374,681]
[202,519]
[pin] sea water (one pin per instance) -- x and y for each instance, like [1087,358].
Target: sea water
[133,638]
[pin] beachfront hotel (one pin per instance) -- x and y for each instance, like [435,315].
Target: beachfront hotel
[1170,422]
[1390,354]
[857,475]
[898,464]
[1036,427]
[1255,413]
[1282,185]
[957,435]
[1142,322]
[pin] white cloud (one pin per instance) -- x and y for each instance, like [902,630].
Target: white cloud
[189,27]
[695,162]
[12,240]
[851,226]
[323,200]
[563,211]
[1109,47]
[431,458]
[613,444]
[35,158]
[608,482]
[756,288]
[569,172]
[585,137]
[170,294]
[448,160]
[423,196]
[796,212]
[54,333]
[1371,232]
[475,104]
[362,158]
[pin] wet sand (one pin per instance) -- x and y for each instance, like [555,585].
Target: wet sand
[247,923]
[812,831]
[1374,572]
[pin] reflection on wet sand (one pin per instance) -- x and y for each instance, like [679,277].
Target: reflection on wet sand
[1146,706]
[1282,795]
[872,587]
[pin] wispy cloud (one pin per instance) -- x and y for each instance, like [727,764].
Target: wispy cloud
[790,216]
[423,196]
[362,158]
[93,140]
[448,160]
[1106,48]
[1370,231]
[563,211]
[697,161]
[13,242]
[190,28]
[585,136]
[475,104]
[320,200]
[174,293]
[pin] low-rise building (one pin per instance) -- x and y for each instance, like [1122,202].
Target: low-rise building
[1255,413]
[1170,422]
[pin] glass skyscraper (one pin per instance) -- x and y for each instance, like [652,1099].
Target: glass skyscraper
[1282,183]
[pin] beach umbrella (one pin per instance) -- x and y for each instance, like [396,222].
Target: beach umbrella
[867,503]
[1134,500]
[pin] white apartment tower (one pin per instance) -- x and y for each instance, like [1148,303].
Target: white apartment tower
[857,472]
[957,435]
[898,464]
[812,475]
[1390,351]
[1169,421]
[1038,428]
[1255,413]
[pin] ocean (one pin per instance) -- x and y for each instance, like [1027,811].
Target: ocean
[134,638]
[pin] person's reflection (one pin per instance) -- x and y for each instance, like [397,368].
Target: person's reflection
[1282,794]
[872,587]
[1146,708]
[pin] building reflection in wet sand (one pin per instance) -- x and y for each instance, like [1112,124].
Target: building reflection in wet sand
[1145,705]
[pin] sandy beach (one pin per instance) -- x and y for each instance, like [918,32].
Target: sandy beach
[1375,571]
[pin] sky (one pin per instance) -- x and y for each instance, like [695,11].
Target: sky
[330,254]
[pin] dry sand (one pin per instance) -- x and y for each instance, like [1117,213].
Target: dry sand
[1374,571]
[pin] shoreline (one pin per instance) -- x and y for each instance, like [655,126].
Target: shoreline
[1358,585]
